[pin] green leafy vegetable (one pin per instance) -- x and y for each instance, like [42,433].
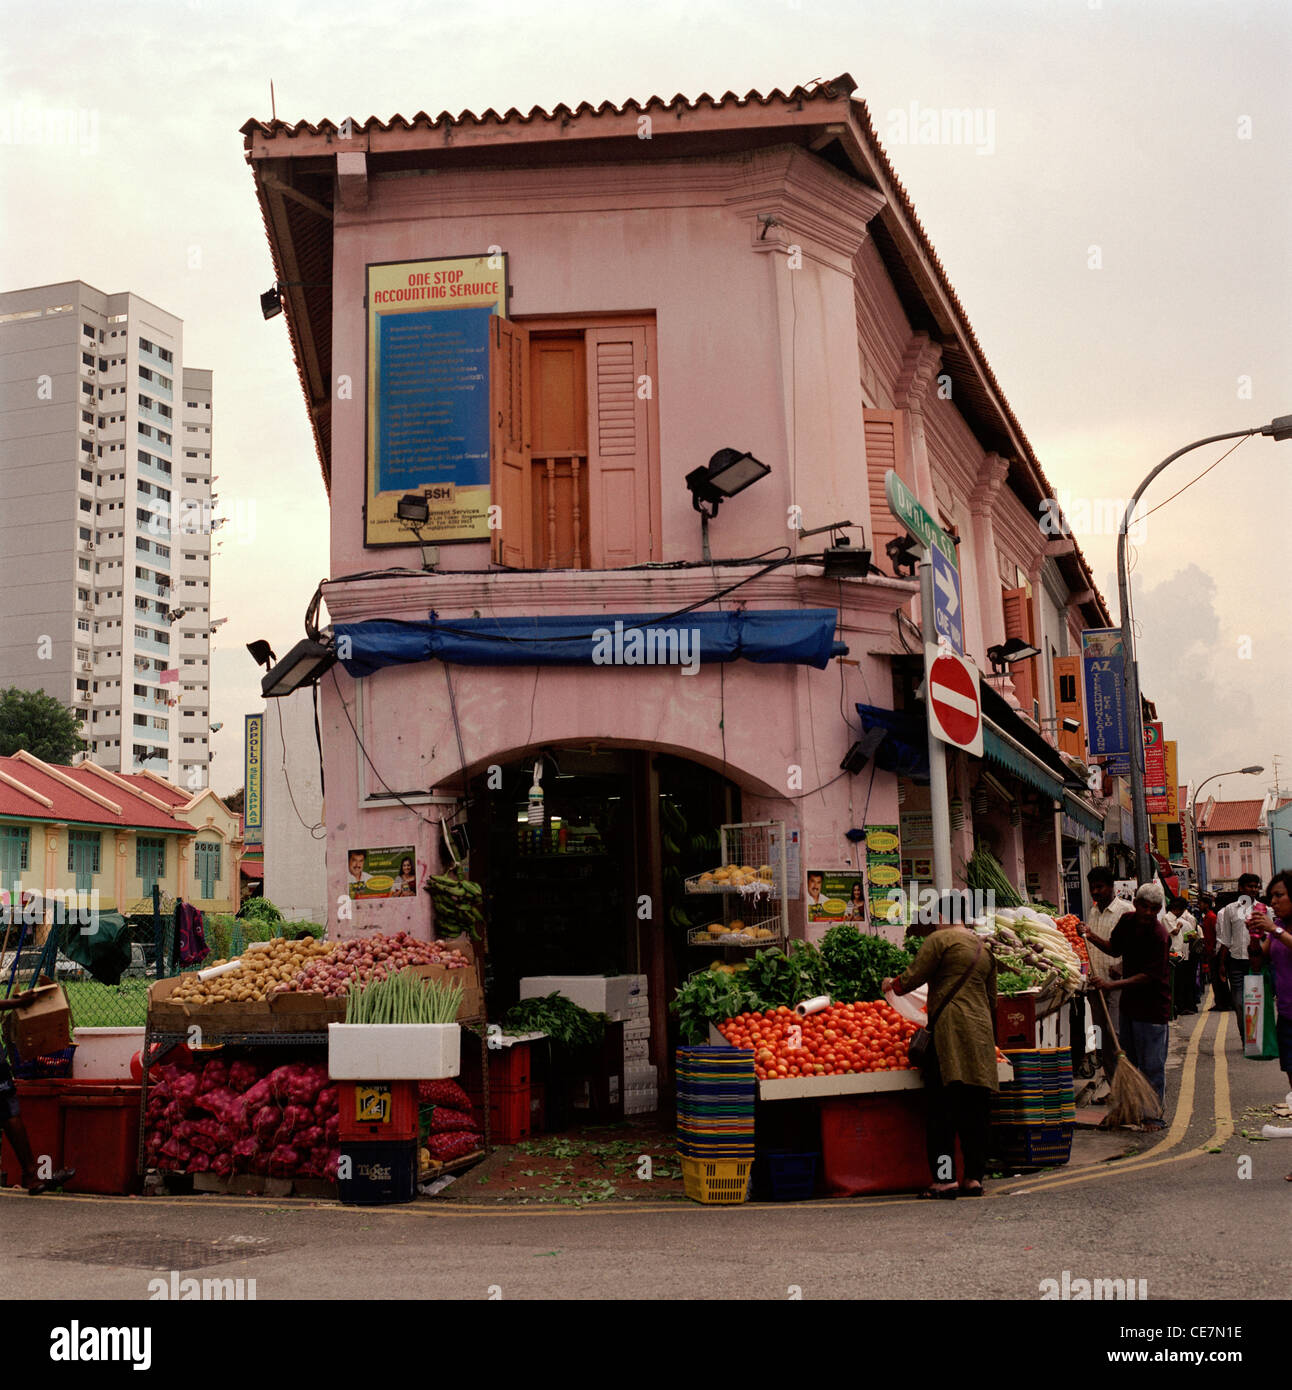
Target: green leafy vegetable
[711,997]
[857,964]
[560,1018]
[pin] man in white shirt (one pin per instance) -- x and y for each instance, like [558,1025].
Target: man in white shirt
[1101,919]
[1184,968]
[1231,941]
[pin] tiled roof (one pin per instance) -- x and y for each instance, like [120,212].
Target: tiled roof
[72,803]
[1225,816]
[977,390]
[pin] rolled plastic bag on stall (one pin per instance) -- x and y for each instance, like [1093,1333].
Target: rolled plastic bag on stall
[812,1006]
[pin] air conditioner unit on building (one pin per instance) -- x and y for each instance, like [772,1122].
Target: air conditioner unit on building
[89,371]
[87,666]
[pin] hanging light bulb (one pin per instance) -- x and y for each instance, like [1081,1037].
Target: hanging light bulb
[980,801]
[901,792]
[957,813]
[536,796]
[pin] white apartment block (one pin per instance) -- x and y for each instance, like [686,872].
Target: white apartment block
[105,512]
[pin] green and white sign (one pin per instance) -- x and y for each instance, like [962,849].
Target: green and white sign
[904,505]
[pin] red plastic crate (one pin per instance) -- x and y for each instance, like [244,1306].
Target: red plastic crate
[510,1066]
[40,1105]
[875,1143]
[100,1137]
[510,1113]
[377,1110]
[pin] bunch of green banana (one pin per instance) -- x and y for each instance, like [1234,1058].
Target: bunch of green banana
[458,905]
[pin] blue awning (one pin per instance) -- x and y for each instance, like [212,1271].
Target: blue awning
[795,636]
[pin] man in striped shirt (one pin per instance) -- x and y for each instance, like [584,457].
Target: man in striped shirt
[1103,916]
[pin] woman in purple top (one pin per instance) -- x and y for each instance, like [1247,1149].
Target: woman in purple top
[1276,951]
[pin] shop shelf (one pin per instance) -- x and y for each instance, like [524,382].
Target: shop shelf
[763,887]
[701,936]
[717,1182]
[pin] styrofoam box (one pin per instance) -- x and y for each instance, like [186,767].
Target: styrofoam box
[601,994]
[393,1051]
[637,1029]
[636,1050]
[641,1104]
[640,1074]
[638,985]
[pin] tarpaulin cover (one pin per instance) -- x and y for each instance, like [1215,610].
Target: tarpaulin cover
[905,749]
[797,636]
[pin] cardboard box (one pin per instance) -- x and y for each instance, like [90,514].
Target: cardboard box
[43,1026]
[472,1005]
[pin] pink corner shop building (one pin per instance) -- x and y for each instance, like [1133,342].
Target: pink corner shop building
[684,277]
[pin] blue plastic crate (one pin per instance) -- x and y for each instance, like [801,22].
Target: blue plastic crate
[785,1177]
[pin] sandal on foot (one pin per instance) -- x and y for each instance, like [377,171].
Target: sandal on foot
[940,1194]
[972,1191]
[58,1179]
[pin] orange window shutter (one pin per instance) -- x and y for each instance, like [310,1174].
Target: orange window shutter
[620,452]
[1069,704]
[885,449]
[1018,623]
[509,451]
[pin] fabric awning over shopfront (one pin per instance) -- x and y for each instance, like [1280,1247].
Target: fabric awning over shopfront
[796,636]
[1084,817]
[1015,745]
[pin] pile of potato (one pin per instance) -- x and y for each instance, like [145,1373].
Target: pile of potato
[737,876]
[266,967]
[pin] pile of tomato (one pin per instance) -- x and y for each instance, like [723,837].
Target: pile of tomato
[843,1039]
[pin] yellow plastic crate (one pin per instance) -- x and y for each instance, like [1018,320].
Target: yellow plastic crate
[717,1182]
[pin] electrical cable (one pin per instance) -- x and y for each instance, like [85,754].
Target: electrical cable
[282,743]
[457,728]
[1201,475]
[346,711]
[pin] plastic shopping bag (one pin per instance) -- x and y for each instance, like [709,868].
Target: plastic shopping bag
[1260,1042]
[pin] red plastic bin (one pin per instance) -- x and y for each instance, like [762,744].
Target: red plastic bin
[510,1066]
[40,1106]
[100,1138]
[378,1110]
[875,1143]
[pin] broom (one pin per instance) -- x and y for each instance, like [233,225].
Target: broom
[1131,1100]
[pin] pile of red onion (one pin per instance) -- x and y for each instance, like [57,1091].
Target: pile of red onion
[372,958]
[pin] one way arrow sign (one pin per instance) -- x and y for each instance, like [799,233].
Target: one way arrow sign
[947,618]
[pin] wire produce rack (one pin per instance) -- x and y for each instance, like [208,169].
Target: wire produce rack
[750,883]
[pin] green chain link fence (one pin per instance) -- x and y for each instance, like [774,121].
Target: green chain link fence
[125,1005]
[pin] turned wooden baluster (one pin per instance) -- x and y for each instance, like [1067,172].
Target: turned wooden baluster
[551,512]
[578,515]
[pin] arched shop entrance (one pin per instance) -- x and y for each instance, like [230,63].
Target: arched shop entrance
[598,888]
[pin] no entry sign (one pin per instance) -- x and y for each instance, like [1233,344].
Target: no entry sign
[951,695]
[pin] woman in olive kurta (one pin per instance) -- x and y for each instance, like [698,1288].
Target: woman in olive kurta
[959,1069]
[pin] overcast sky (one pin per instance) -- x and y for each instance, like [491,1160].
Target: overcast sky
[1149,136]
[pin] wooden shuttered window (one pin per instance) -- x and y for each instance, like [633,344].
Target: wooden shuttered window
[509,444]
[619,452]
[573,457]
[1069,704]
[1020,622]
[885,439]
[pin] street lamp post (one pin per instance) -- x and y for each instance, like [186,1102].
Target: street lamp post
[1193,810]
[1278,429]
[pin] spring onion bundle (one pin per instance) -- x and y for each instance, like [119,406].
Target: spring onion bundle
[403,998]
[983,871]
